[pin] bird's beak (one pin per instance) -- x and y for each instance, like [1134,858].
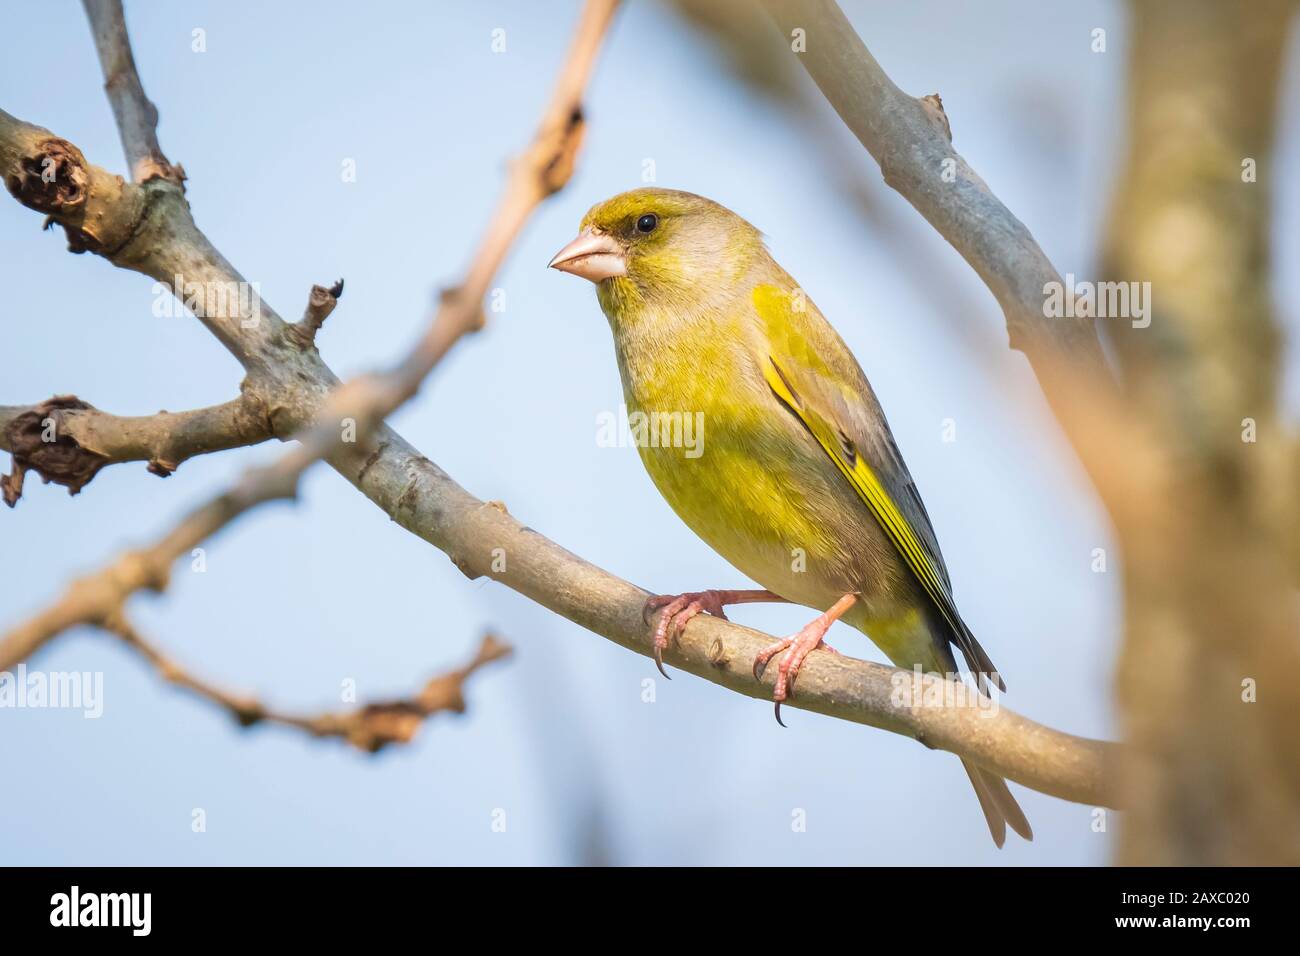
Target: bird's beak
[593,255]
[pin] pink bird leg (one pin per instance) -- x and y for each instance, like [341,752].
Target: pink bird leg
[678,609]
[797,648]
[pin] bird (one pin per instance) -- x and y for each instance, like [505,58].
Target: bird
[797,480]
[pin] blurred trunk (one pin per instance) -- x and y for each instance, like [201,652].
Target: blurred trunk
[1210,776]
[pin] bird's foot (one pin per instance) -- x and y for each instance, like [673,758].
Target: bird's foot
[796,649]
[678,609]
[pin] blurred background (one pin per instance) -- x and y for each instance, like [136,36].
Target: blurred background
[560,741]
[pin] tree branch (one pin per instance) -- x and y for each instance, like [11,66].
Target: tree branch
[911,139]
[352,409]
[137,117]
[98,211]
[421,497]
[67,441]
[369,728]
[424,499]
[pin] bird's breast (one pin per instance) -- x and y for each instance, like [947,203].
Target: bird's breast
[740,471]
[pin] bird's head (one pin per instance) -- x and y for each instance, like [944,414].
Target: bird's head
[656,244]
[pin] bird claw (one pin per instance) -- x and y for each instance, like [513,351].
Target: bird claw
[677,612]
[659,661]
[795,649]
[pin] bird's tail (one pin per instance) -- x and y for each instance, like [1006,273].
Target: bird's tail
[999,806]
[926,640]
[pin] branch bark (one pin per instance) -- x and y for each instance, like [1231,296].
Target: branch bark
[67,441]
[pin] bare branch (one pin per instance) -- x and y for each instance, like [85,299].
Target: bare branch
[425,500]
[421,497]
[369,728]
[543,169]
[67,441]
[356,407]
[911,139]
[137,117]
[100,597]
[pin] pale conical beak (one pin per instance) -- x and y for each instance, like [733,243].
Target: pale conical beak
[593,255]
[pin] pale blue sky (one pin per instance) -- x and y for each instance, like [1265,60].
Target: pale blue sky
[295,600]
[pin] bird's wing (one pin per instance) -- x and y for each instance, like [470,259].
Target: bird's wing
[814,375]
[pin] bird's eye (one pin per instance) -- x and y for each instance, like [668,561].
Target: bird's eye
[647,223]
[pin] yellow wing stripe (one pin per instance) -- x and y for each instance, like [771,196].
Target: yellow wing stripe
[863,479]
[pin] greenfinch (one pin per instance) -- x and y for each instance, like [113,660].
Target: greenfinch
[794,476]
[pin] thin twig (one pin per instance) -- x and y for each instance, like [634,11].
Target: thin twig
[137,117]
[369,728]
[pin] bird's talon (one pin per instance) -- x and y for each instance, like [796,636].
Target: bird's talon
[659,661]
[677,610]
[793,651]
[777,712]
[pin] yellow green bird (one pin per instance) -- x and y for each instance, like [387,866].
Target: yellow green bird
[795,477]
